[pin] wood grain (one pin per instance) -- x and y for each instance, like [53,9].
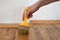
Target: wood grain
[7,34]
[21,37]
[40,30]
[45,32]
[11,34]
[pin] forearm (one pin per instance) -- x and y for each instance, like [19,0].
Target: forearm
[33,8]
[45,2]
[41,3]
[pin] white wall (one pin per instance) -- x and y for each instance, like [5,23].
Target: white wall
[11,11]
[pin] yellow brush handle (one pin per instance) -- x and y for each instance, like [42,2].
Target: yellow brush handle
[25,11]
[24,23]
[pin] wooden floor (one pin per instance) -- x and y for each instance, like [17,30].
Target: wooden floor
[36,32]
[45,32]
[11,34]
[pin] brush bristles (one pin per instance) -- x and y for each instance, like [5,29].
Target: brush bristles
[23,27]
[23,30]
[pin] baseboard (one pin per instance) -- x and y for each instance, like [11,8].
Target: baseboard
[39,22]
[32,22]
[9,25]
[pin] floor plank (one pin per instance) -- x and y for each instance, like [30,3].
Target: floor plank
[7,34]
[11,34]
[45,32]
[21,37]
[37,32]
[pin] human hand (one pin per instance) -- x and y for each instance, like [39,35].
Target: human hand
[29,13]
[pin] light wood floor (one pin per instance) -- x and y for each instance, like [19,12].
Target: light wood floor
[10,31]
[45,32]
[11,34]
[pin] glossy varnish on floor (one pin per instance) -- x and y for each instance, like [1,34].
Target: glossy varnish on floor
[45,32]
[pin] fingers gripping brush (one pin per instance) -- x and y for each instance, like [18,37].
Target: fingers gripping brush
[24,26]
